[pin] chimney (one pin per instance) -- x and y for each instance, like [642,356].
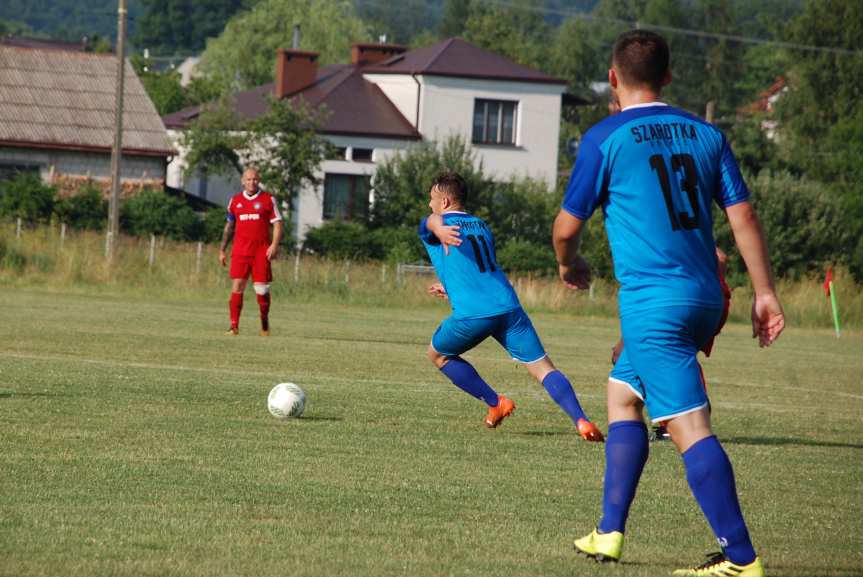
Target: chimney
[365,54]
[295,69]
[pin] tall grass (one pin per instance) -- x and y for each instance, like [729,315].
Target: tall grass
[40,257]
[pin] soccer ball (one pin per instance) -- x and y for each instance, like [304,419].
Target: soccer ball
[286,400]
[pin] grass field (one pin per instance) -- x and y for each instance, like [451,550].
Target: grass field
[136,441]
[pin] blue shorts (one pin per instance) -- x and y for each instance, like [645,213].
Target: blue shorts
[659,357]
[513,330]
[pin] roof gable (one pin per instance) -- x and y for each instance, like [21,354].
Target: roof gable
[459,58]
[64,99]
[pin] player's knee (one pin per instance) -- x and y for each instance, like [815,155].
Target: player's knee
[435,357]
[262,288]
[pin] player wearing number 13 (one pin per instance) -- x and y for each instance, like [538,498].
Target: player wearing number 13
[656,171]
[484,304]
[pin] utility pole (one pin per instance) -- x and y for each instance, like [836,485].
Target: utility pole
[117,152]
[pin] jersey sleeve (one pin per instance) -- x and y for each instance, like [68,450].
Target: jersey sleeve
[426,235]
[732,189]
[275,215]
[231,216]
[584,191]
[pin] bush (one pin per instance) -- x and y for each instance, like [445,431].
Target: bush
[800,220]
[214,224]
[86,210]
[398,245]
[342,240]
[27,197]
[524,256]
[154,212]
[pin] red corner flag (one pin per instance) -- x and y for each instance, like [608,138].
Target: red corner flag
[828,280]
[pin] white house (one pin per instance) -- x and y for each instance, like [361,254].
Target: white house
[389,99]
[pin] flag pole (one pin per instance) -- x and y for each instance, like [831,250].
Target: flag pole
[835,310]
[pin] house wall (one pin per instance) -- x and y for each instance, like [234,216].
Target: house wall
[447,106]
[56,163]
[309,209]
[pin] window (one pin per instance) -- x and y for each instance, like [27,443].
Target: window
[494,121]
[12,171]
[346,196]
[362,154]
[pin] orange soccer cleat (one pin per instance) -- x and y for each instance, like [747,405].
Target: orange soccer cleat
[589,431]
[495,415]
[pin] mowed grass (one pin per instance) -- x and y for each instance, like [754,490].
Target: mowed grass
[135,440]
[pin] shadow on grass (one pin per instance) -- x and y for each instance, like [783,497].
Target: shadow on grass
[542,433]
[10,394]
[319,418]
[787,441]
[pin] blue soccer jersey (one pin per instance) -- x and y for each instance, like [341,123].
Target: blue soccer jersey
[470,274]
[656,171]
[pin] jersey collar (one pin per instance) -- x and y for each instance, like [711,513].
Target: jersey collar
[253,197]
[643,105]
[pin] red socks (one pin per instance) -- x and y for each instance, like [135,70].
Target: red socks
[264,304]
[235,305]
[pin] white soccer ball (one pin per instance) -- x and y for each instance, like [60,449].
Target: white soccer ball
[286,400]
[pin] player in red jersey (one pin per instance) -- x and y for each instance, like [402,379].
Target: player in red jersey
[251,213]
[660,431]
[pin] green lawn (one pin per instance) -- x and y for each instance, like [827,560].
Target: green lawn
[136,441]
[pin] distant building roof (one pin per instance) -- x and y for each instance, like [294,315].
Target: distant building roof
[354,105]
[43,43]
[459,58]
[55,98]
[767,98]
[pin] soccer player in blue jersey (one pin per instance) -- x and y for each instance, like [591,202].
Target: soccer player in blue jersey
[656,171]
[484,304]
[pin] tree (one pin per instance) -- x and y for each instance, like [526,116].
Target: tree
[285,146]
[399,21]
[243,56]
[152,211]
[517,31]
[576,57]
[455,14]
[183,26]
[402,182]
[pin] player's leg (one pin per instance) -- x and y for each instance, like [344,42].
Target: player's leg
[262,276]
[560,390]
[454,337]
[667,363]
[239,271]
[518,336]
[626,451]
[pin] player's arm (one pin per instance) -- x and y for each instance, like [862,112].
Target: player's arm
[447,235]
[273,249]
[768,319]
[227,234]
[566,239]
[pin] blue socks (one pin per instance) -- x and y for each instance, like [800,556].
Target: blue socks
[711,479]
[626,451]
[560,390]
[465,377]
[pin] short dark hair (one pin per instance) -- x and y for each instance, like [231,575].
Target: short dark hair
[641,57]
[452,185]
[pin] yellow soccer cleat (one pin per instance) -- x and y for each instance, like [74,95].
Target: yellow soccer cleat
[265,332]
[717,565]
[603,547]
[232,332]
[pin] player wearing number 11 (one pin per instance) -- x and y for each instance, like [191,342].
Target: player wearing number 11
[656,171]
[484,304]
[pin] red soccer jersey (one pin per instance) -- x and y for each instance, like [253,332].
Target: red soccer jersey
[252,217]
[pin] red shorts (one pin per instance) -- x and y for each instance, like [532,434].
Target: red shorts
[258,265]
[726,304]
